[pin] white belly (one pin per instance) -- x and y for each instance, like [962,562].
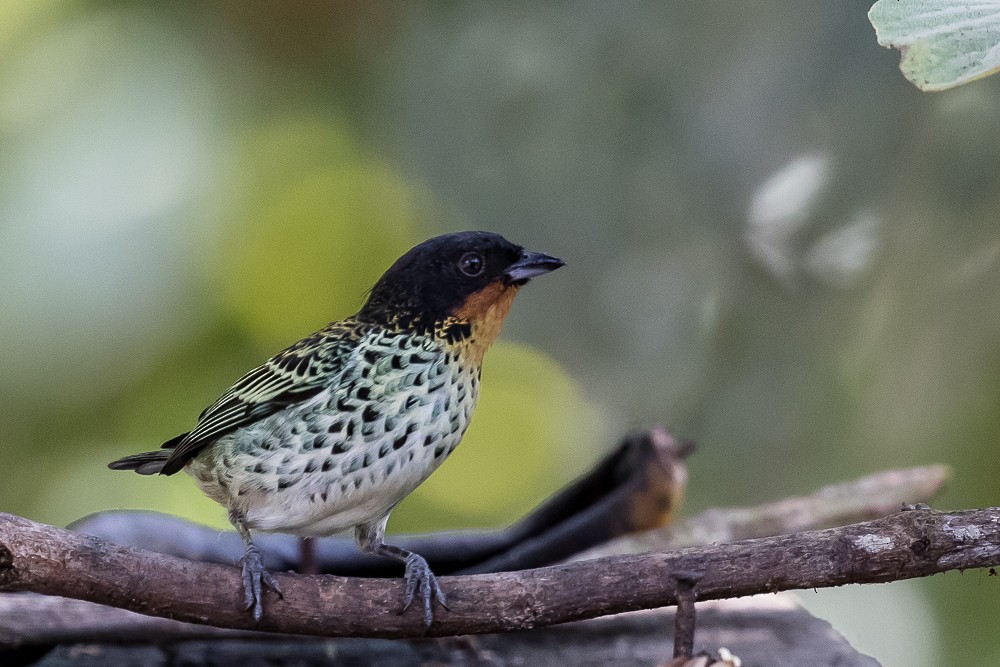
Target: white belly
[327,465]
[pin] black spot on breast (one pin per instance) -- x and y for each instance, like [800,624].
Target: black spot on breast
[370,458]
[322,496]
[400,441]
[350,429]
[439,450]
[310,466]
[397,362]
[370,414]
[389,468]
[327,465]
[259,468]
[371,356]
[419,379]
[319,442]
[428,441]
[340,447]
[346,406]
[357,482]
[458,331]
[416,358]
[364,393]
[336,427]
[411,402]
[384,450]
[286,482]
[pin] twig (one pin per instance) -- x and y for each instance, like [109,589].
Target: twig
[918,543]
[684,619]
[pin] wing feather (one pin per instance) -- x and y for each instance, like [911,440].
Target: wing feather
[291,376]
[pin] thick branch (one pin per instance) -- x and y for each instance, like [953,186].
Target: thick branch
[72,620]
[909,544]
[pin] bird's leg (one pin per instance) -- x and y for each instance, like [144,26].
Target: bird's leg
[255,577]
[419,578]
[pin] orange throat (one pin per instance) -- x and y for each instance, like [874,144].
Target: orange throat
[485,312]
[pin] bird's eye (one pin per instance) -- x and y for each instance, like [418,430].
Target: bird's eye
[471,264]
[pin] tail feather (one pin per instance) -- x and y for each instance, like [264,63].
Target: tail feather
[147,463]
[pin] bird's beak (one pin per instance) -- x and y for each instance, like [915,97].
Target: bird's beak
[529,265]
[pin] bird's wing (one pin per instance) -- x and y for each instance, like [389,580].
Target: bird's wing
[291,376]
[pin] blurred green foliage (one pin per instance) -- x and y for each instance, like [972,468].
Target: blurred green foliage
[775,245]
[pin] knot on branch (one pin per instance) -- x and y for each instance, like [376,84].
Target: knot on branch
[8,573]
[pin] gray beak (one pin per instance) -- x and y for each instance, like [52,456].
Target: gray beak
[531,264]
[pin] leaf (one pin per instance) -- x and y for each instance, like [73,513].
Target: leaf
[942,43]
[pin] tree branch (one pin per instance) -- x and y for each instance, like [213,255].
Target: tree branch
[39,619]
[910,544]
[863,499]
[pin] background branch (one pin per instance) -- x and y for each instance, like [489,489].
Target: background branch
[909,544]
[863,499]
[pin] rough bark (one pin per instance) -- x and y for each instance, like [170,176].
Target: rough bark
[44,559]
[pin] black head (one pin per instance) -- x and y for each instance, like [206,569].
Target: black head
[433,279]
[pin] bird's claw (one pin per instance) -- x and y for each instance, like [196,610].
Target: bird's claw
[420,579]
[255,577]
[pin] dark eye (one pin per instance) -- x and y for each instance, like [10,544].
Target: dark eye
[472,264]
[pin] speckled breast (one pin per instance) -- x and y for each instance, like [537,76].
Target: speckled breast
[352,452]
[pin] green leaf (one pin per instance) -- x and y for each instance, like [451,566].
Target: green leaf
[942,43]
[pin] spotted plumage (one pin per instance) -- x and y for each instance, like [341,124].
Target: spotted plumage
[334,431]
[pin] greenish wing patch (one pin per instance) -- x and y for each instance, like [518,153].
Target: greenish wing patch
[289,377]
[942,43]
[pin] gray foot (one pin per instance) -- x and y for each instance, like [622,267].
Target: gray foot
[420,580]
[255,577]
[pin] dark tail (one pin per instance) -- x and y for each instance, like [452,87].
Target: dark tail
[147,463]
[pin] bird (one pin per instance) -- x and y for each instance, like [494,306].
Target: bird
[331,433]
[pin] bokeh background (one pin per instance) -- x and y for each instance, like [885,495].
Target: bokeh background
[776,246]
